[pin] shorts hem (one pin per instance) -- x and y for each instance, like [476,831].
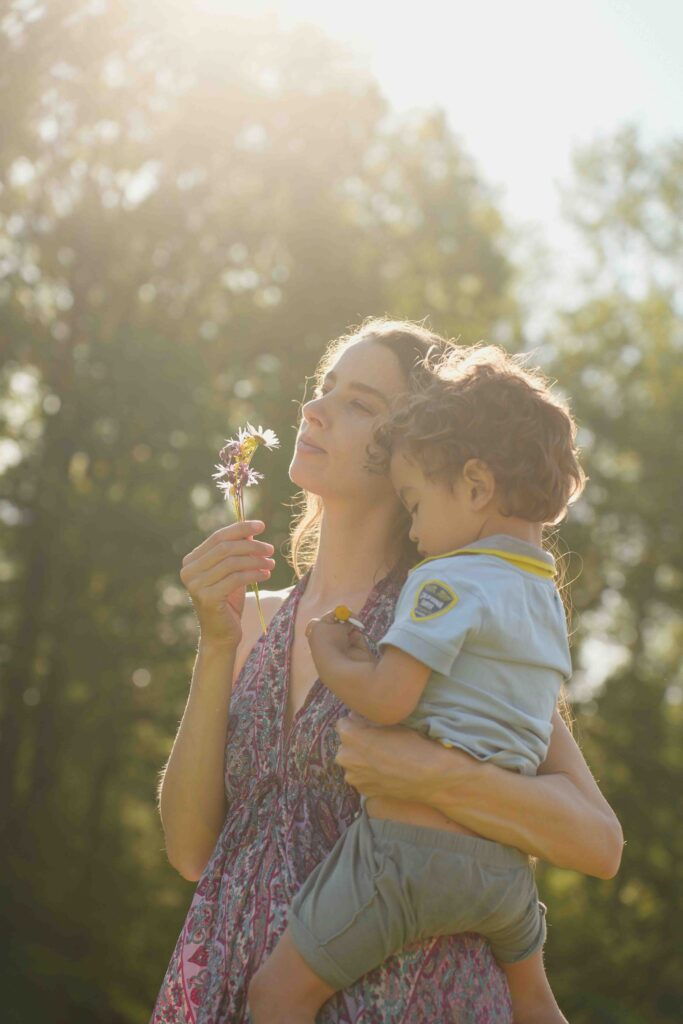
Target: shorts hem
[538,943]
[317,958]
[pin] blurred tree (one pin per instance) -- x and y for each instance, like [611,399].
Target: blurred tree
[615,952]
[190,208]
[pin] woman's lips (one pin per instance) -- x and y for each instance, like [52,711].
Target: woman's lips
[305,446]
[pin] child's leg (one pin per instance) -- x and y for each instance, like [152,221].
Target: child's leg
[285,990]
[533,1001]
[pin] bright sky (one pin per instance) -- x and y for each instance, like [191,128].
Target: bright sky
[522,81]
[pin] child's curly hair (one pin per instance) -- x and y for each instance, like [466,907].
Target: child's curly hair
[482,403]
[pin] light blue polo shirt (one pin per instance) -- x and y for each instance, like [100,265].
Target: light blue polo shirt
[489,622]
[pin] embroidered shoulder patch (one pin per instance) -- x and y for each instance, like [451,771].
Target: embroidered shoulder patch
[432,599]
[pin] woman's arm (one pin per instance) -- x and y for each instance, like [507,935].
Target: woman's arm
[559,815]
[192,802]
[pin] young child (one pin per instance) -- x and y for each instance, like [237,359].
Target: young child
[475,659]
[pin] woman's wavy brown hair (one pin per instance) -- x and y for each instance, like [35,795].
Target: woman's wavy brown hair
[417,350]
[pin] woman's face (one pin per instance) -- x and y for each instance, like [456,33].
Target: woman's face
[338,421]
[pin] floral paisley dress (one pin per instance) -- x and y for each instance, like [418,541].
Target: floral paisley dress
[288,804]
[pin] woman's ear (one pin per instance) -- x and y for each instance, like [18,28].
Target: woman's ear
[479,483]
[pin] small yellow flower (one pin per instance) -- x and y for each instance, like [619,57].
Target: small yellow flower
[343,614]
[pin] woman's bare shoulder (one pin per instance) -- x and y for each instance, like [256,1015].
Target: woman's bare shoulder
[271,600]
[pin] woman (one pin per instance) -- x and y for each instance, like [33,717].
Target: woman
[250,817]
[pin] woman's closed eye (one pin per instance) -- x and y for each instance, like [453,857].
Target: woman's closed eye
[318,393]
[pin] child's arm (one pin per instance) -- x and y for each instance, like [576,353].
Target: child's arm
[384,690]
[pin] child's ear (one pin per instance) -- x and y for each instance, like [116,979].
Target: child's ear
[479,483]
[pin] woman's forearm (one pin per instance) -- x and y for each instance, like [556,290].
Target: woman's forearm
[542,815]
[192,799]
[559,814]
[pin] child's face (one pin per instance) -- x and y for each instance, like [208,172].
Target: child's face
[442,519]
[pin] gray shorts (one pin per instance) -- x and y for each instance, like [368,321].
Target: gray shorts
[386,884]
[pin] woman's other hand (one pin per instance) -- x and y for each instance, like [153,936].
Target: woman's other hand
[216,575]
[558,815]
[392,761]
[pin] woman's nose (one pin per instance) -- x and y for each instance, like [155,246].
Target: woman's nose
[312,409]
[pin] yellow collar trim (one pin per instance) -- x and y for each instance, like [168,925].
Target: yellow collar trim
[526,562]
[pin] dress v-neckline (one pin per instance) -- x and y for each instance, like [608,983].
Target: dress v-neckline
[300,586]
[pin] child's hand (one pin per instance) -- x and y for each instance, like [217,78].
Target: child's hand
[359,649]
[327,636]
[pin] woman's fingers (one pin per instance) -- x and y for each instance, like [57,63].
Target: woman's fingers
[224,587]
[226,566]
[349,728]
[352,755]
[217,572]
[227,551]
[240,531]
[222,549]
[391,761]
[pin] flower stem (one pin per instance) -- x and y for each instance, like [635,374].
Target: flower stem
[241,516]
[258,605]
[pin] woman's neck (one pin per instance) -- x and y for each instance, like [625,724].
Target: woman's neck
[353,555]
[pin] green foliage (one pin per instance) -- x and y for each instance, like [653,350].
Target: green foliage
[186,218]
[183,227]
[615,948]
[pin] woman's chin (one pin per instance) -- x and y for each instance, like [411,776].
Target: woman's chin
[303,477]
[320,485]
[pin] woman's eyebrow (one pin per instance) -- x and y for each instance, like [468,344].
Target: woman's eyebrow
[358,385]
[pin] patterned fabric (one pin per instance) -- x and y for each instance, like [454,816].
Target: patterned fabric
[288,804]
